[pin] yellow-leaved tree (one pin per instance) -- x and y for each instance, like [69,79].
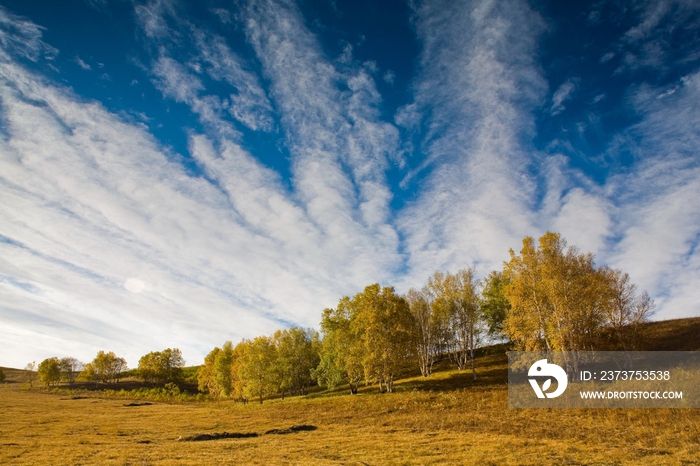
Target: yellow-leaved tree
[386,330]
[258,368]
[560,301]
[341,348]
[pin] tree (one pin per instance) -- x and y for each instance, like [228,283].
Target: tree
[257,368]
[70,368]
[460,322]
[561,301]
[219,375]
[149,366]
[162,366]
[555,295]
[106,367]
[206,381]
[30,374]
[341,348]
[89,374]
[426,328]
[297,356]
[171,364]
[441,309]
[494,304]
[2,375]
[50,371]
[223,369]
[624,309]
[468,320]
[386,329]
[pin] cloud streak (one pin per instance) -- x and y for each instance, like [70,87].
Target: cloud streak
[478,83]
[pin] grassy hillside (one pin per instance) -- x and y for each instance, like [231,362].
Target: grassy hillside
[14,376]
[445,419]
[672,335]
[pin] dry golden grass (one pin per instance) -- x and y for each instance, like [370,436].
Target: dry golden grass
[442,420]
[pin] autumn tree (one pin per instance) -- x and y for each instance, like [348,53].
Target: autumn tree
[106,367]
[386,330]
[624,309]
[50,371]
[219,375]
[205,373]
[561,301]
[148,367]
[297,356]
[494,304]
[30,373]
[460,307]
[435,293]
[341,348]
[552,291]
[426,328]
[257,368]
[162,366]
[70,368]
[223,370]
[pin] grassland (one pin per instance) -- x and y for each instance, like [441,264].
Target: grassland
[446,419]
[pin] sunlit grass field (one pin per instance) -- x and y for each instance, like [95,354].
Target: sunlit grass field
[446,419]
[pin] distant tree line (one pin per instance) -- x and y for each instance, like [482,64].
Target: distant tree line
[548,297]
[162,366]
[280,364]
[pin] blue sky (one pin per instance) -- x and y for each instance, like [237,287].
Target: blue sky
[178,174]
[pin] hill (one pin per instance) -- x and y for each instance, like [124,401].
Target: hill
[672,335]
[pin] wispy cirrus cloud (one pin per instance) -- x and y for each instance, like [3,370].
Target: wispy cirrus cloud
[168,33]
[660,211]
[478,84]
[562,94]
[328,129]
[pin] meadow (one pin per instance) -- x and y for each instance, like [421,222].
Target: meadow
[445,419]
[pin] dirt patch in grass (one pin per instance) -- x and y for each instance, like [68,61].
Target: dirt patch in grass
[216,436]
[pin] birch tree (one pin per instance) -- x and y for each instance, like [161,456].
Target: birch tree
[426,328]
[386,329]
[257,368]
[50,371]
[297,356]
[70,368]
[561,301]
[341,348]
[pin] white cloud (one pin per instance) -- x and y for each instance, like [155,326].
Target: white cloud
[92,202]
[389,77]
[21,37]
[562,94]
[249,104]
[328,129]
[660,209]
[82,64]
[477,62]
[607,57]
